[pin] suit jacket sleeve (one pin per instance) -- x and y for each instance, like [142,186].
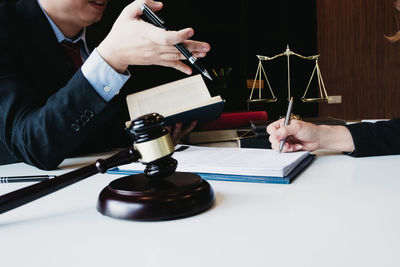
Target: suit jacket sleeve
[375,139]
[44,116]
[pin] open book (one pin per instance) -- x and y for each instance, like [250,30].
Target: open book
[234,164]
[183,101]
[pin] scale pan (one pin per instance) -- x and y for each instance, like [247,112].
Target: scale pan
[264,100]
[314,100]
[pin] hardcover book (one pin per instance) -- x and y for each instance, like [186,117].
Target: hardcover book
[184,101]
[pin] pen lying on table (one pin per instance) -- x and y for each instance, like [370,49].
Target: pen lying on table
[31,178]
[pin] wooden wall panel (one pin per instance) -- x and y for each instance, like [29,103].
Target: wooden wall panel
[356,61]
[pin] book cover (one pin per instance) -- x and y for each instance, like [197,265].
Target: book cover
[200,114]
[184,100]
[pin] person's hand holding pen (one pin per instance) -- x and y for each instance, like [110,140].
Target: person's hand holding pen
[295,135]
[288,136]
[300,135]
[133,41]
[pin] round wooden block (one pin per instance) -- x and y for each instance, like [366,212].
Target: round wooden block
[138,197]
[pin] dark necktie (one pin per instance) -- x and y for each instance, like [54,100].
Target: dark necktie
[73,52]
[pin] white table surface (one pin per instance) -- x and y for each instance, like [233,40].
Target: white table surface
[340,211]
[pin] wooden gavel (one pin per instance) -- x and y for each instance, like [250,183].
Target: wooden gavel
[152,145]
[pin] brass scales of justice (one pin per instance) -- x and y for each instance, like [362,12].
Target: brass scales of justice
[258,80]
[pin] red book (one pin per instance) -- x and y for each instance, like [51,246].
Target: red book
[229,120]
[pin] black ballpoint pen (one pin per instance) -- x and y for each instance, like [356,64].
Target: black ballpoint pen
[30,178]
[154,19]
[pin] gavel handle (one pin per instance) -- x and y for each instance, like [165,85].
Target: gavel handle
[27,194]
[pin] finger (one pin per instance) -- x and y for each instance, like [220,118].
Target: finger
[292,129]
[292,144]
[275,146]
[197,46]
[199,54]
[273,139]
[163,37]
[178,65]
[274,126]
[177,129]
[133,10]
[153,5]
[281,133]
[293,148]
[287,147]
[189,128]
[171,55]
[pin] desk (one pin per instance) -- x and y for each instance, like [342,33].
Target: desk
[341,211]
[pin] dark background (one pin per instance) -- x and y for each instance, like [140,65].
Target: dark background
[238,31]
[356,61]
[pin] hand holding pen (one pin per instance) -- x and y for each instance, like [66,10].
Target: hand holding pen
[303,135]
[157,21]
[131,41]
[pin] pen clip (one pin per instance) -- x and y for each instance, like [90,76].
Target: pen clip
[151,14]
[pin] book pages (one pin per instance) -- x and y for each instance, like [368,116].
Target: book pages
[233,161]
[170,98]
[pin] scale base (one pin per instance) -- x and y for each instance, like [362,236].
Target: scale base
[138,197]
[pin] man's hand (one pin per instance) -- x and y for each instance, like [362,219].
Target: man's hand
[133,41]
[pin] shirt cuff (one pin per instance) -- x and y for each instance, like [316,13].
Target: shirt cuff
[103,78]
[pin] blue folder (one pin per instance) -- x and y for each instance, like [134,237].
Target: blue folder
[239,178]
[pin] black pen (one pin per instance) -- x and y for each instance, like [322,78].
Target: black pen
[287,121]
[30,178]
[157,21]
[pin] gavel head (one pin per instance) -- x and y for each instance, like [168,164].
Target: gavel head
[154,144]
[159,193]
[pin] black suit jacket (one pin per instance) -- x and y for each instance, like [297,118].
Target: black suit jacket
[375,139]
[48,112]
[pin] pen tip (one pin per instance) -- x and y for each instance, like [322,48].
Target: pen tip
[205,73]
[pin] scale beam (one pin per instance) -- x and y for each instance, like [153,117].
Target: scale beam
[261,74]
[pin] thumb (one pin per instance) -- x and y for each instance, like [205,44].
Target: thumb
[134,9]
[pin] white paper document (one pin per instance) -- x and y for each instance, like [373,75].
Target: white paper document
[231,160]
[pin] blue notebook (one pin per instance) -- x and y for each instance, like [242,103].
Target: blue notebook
[278,168]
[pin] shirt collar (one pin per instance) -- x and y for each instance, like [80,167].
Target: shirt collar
[59,35]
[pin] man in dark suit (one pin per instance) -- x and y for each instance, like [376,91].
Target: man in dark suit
[51,108]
